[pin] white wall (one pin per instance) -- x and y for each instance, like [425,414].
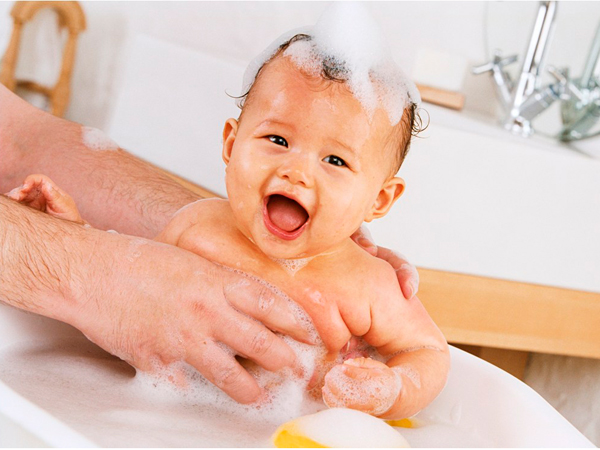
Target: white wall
[239,30]
[458,28]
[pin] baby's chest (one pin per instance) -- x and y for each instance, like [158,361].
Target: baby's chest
[323,294]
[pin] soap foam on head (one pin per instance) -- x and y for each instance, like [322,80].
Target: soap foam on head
[348,39]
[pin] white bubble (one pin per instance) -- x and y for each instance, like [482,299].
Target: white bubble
[292,265]
[409,372]
[375,395]
[135,248]
[95,139]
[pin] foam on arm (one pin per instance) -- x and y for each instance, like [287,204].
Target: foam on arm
[416,350]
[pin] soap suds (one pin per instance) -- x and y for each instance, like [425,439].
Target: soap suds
[348,40]
[409,372]
[95,139]
[375,395]
[292,265]
[316,297]
[135,248]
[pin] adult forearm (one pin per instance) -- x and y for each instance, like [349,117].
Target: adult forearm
[112,189]
[153,305]
[38,261]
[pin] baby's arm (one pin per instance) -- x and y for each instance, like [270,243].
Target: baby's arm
[182,221]
[40,192]
[413,376]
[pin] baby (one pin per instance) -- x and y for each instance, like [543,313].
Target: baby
[308,161]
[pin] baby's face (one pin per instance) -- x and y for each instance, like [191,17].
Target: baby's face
[305,166]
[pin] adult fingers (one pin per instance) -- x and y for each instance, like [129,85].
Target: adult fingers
[221,368]
[407,274]
[330,325]
[363,238]
[254,341]
[261,303]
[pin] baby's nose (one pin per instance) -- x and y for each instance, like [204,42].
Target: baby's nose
[297,170]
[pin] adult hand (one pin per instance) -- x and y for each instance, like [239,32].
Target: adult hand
[163,305]
[407,274]
[150,304]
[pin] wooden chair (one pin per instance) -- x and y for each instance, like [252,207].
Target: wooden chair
[71,16]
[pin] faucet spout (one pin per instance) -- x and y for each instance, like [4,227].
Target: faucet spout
[592,65]
[532,64]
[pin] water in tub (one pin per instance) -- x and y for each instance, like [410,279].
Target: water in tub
[106,400]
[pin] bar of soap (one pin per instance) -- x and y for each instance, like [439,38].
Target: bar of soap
[439,69]
[338,428]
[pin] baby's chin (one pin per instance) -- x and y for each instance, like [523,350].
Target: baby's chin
[302,248]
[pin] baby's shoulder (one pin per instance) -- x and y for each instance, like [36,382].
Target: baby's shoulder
[371,273]
[362,281]
[204,214]
[202,209]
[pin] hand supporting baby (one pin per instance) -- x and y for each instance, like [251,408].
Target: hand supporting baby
[363,384]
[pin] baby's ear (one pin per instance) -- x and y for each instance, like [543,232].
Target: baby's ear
[229,133]
[389,193]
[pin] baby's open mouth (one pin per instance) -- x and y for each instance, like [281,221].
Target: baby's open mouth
[284,217]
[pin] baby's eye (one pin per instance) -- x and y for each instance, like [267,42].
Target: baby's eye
[335,160]
[278,140]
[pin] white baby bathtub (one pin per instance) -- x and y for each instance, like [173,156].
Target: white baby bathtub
[58,389]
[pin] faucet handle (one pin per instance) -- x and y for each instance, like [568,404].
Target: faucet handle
[496,63]
[568,88]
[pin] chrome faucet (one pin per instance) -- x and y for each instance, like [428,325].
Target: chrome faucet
[581,111]
[525,100]
[580,98]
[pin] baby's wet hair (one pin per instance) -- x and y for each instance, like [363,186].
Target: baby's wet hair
[409,126]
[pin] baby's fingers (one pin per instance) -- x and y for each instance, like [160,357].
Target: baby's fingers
[364,369]
[17,194]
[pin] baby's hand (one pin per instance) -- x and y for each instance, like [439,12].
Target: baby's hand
[364,384]
[40,192]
